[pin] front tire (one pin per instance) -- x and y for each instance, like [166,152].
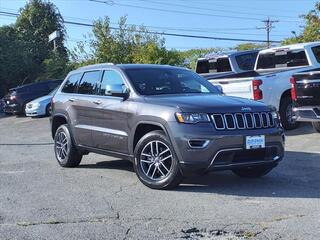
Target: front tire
[48,110]
[253,172]
[316,126]
[156,164]
[66,153]
[286,114]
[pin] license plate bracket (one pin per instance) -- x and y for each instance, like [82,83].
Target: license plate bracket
[255,142]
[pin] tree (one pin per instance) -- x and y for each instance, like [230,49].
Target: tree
[191,56]
[249,46]
[37,20]
[311,30]
[125,44]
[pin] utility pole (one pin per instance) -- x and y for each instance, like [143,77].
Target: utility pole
[268,26]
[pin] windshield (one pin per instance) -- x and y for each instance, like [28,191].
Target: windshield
[156,81]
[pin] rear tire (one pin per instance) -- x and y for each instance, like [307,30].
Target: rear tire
[286,114]
[253,172]
[66,153]
[156,164]
[316,126]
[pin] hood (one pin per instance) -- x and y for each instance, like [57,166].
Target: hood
[46,98]
[208,103]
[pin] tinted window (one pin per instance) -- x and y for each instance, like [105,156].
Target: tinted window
[282,58]
[71,83]
[202,66]
[223,65]
[155,81]
[316,52]
[89,83]
[246,61]
[110,78]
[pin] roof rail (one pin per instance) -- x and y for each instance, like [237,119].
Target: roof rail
[96,65]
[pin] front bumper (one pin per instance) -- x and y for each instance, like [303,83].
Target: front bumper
[14,108]
[35,111]
[307,114]
[224,150]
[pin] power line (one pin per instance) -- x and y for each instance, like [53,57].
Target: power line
[158,33]
[175,11]
[213,10]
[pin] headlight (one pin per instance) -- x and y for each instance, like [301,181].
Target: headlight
[192,117]
[35,105]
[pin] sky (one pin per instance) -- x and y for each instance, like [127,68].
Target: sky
[213,18]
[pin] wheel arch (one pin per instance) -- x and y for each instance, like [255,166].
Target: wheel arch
[142,128]
[285,94]
[57,121]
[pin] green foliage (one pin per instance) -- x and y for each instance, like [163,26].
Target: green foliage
[311,30]
[191,56]
[126,44]
[249,46]
[25,50]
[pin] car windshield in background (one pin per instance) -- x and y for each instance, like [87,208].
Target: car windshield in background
[156,81]
[246,61]
[283,58]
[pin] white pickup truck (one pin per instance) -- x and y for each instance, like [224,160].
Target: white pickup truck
[269,82]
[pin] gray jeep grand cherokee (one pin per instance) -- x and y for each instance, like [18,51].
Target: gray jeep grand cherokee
[168,121]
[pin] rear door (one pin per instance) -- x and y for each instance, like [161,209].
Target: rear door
[84,105]
[111,115]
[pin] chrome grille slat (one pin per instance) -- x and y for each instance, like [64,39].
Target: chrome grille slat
[241,121]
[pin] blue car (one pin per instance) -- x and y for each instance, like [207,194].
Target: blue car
[40,106]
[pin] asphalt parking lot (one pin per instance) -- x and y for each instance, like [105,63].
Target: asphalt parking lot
[104,199]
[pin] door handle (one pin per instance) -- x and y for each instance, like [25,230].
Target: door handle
[98,102]
[72,99]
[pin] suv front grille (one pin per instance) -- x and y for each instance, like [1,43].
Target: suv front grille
[233,121]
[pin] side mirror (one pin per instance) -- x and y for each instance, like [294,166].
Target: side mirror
[117,90]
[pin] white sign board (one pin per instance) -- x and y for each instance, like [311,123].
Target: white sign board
[54,35]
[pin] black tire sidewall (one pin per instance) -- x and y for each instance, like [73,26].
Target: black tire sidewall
[63,128]
[48,109]
[285,102]
[173,178]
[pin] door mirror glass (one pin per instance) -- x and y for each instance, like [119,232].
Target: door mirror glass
[117,90]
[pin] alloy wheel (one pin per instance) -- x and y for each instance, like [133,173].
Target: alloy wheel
[61,146]
[156,160]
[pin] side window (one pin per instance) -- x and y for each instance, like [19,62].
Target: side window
[223,65]
[111,79]
[71,83]
[89,83]
[316,52]
[246,61]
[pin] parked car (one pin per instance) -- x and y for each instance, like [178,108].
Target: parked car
[305,92]
[168,121]
[270,80]
[40,106]
[226,64]
[17,98]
